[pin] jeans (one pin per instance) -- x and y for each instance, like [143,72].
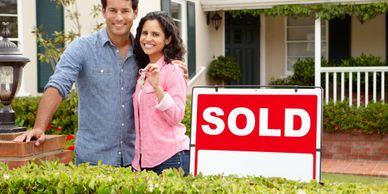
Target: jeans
[179,160]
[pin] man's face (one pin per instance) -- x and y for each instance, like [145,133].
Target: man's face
[119,17]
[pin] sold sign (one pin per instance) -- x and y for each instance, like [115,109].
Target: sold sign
[268,132]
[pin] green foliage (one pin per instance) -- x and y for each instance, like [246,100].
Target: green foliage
[223,69]
[337,117]
[304,70]
[53,177]
[64,118]
[54,44]
[340,117]
[363,60]
[303,73]
[325,11]
[187,119]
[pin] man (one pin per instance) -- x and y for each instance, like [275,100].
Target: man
[105,72]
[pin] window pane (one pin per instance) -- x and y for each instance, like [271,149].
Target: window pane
[179,25]
[176,10]
[12,26]
[300,39]
[8,7]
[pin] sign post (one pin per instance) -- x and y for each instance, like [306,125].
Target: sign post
[257,132]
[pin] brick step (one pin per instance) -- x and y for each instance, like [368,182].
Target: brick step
[9,136]
[63,156]
[9,148]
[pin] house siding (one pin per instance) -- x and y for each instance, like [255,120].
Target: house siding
[30,79]
[369,37]
[274,47]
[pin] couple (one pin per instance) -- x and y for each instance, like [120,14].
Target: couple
[131,95]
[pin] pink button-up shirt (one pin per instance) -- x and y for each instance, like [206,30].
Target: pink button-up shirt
[159,131]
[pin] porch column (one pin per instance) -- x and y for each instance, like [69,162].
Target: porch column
[318,52]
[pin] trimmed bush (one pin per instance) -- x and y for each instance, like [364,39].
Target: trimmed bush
[65,120]
[338,117]
[52,177]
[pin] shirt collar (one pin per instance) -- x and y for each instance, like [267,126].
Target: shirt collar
[161,62]
[104,38]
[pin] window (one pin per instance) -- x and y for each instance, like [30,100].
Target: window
[183,13]
[178,13]
[300,38]
[9,13]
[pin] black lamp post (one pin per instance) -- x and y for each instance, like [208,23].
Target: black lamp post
[11,65]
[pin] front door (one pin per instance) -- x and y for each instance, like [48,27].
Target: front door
[242,41]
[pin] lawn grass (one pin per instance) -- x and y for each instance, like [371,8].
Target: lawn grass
[342,178]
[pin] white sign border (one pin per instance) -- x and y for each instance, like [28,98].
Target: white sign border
[262,91]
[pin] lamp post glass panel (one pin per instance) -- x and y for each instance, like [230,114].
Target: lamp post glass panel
[216,20]
[11,64]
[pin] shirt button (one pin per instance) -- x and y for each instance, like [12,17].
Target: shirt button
[121,142]
[122,124]
[117,51]
[102,71]
[122,88]
[122,70]
[119,153]
[122,105]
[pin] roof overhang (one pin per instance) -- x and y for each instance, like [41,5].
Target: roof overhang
[215,5]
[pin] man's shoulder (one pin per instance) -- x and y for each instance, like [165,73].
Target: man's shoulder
[90,38]
[86,41]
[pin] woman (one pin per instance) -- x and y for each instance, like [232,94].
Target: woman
[160,96]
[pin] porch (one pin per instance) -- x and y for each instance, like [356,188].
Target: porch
[338,83]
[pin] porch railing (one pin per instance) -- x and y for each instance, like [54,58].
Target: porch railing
[353,83]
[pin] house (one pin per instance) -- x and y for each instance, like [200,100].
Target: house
[266,47]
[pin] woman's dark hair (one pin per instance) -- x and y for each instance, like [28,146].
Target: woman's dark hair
[172,51]
[134,4]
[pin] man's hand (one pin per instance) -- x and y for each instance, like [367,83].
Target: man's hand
[183,66]
[28,135]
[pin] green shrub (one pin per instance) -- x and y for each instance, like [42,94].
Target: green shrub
[64,119]
[303,73]
[187,119]
[304,70]
[223,69]
[363,60]
[52,177]
[337,117]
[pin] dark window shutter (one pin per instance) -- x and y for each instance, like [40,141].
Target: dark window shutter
[165,6]
[339,39]
[50,18]
[191,38]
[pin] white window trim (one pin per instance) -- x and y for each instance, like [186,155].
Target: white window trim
[183,4]
[325,22]
[18,16]
[20,25]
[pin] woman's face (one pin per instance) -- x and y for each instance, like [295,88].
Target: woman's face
[153,40]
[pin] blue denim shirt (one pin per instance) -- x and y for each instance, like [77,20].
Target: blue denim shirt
[105,86]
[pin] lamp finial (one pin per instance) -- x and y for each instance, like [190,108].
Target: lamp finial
[5,32]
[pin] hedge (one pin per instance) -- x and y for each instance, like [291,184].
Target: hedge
[337,117]
[53,177]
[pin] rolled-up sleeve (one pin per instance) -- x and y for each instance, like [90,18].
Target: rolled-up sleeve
[172,106]
[68,68]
